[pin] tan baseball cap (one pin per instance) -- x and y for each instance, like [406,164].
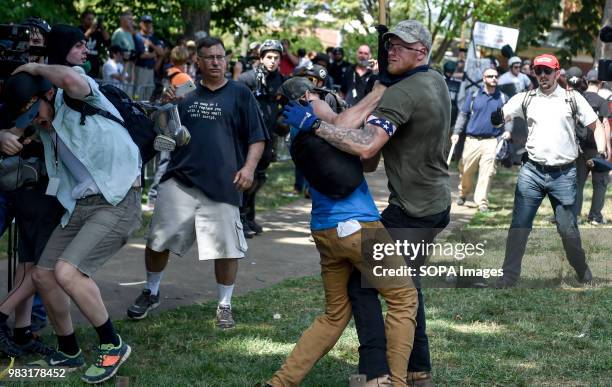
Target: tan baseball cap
[411,31]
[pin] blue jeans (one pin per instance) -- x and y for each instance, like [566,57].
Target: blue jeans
[533,184]
[366,306]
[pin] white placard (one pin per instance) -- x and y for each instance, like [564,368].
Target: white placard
[494,36]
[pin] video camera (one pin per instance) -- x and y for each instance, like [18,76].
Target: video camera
[15,48]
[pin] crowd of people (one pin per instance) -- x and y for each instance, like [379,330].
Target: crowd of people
[341,118]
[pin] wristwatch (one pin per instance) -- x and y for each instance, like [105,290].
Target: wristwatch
[316,125]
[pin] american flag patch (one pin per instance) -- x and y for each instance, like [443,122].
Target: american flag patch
[382,123]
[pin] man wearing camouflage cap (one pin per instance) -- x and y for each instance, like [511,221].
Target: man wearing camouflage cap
[410,127]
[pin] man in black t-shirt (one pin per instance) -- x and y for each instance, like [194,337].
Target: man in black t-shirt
[589,150]
[339,68]
[200,194]
[359,80]
[97,40]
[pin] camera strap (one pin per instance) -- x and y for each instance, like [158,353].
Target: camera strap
[88,110]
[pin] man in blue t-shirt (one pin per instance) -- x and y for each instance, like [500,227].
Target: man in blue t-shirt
[148,48]
[200,194]
[480,141]
[337,226]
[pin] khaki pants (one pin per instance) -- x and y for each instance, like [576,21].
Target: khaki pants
[338,257]
[478,155]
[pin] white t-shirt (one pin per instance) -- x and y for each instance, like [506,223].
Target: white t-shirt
[109,69]
[521,81]
[551,138]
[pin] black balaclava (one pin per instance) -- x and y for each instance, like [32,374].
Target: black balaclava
[60,41]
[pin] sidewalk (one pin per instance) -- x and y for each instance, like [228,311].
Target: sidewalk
[283,251]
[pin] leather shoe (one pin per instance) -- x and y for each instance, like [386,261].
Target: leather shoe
[419,379]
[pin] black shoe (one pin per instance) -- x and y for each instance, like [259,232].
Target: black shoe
[255,227]
[587,277]
[460,201]
[143,304]
[504,283]
[7,345]
[36,346]
[248,232]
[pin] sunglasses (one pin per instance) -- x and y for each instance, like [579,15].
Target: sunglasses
[542,69]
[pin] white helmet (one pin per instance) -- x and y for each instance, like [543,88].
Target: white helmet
[514,60]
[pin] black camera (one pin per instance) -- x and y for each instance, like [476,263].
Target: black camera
[15,48]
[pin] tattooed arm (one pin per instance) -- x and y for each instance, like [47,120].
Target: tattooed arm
[365,142]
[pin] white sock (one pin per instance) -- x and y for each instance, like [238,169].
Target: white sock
[225,294]
[153,281]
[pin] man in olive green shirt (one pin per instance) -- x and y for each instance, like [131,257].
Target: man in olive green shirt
[410,127]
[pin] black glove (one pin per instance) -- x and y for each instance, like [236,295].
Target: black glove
[497,118]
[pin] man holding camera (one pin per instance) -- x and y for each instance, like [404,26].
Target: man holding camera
[198,198]
[360,79]
[550,168]
[94,171]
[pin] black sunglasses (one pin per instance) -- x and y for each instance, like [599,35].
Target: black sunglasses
[543,69]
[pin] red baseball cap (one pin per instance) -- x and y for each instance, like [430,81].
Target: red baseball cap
[546,60]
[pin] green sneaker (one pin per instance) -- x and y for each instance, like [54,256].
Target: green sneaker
[60,359]
[107,363]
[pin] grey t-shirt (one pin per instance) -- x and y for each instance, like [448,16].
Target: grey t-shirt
[415,162]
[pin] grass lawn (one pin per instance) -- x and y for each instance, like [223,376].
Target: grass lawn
[558,336]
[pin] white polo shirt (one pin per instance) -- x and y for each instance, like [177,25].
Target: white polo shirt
[552,135]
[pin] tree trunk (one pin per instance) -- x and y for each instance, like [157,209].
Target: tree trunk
[196,20]
[604,50]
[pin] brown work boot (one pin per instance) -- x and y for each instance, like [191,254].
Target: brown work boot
[419,379]
[381,381]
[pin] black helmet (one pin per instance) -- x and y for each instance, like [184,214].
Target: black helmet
[294,88]
[270,45]
[39,23]
[317,71]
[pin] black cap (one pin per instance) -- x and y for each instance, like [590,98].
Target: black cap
[21,94]
[146,19]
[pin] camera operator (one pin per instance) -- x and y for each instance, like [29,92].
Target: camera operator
[94,171]
[39,30]
[98,39]
[264,80]
[36,214]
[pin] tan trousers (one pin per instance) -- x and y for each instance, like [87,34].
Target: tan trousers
[338,257]
[478,155]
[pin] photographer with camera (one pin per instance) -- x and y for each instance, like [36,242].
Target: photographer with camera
[359,80]
[39,30]
[264,81]
[98,39]
[94,171]
[23,181]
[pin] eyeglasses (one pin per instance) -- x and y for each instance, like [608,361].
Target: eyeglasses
[542,69]
[212,58]
[490,76]
[391,46]
[314,80]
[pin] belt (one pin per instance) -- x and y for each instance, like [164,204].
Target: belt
[481,137]
[135,185]
[551,168]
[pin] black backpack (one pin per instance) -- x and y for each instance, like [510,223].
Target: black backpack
[140,127]
[329,170]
